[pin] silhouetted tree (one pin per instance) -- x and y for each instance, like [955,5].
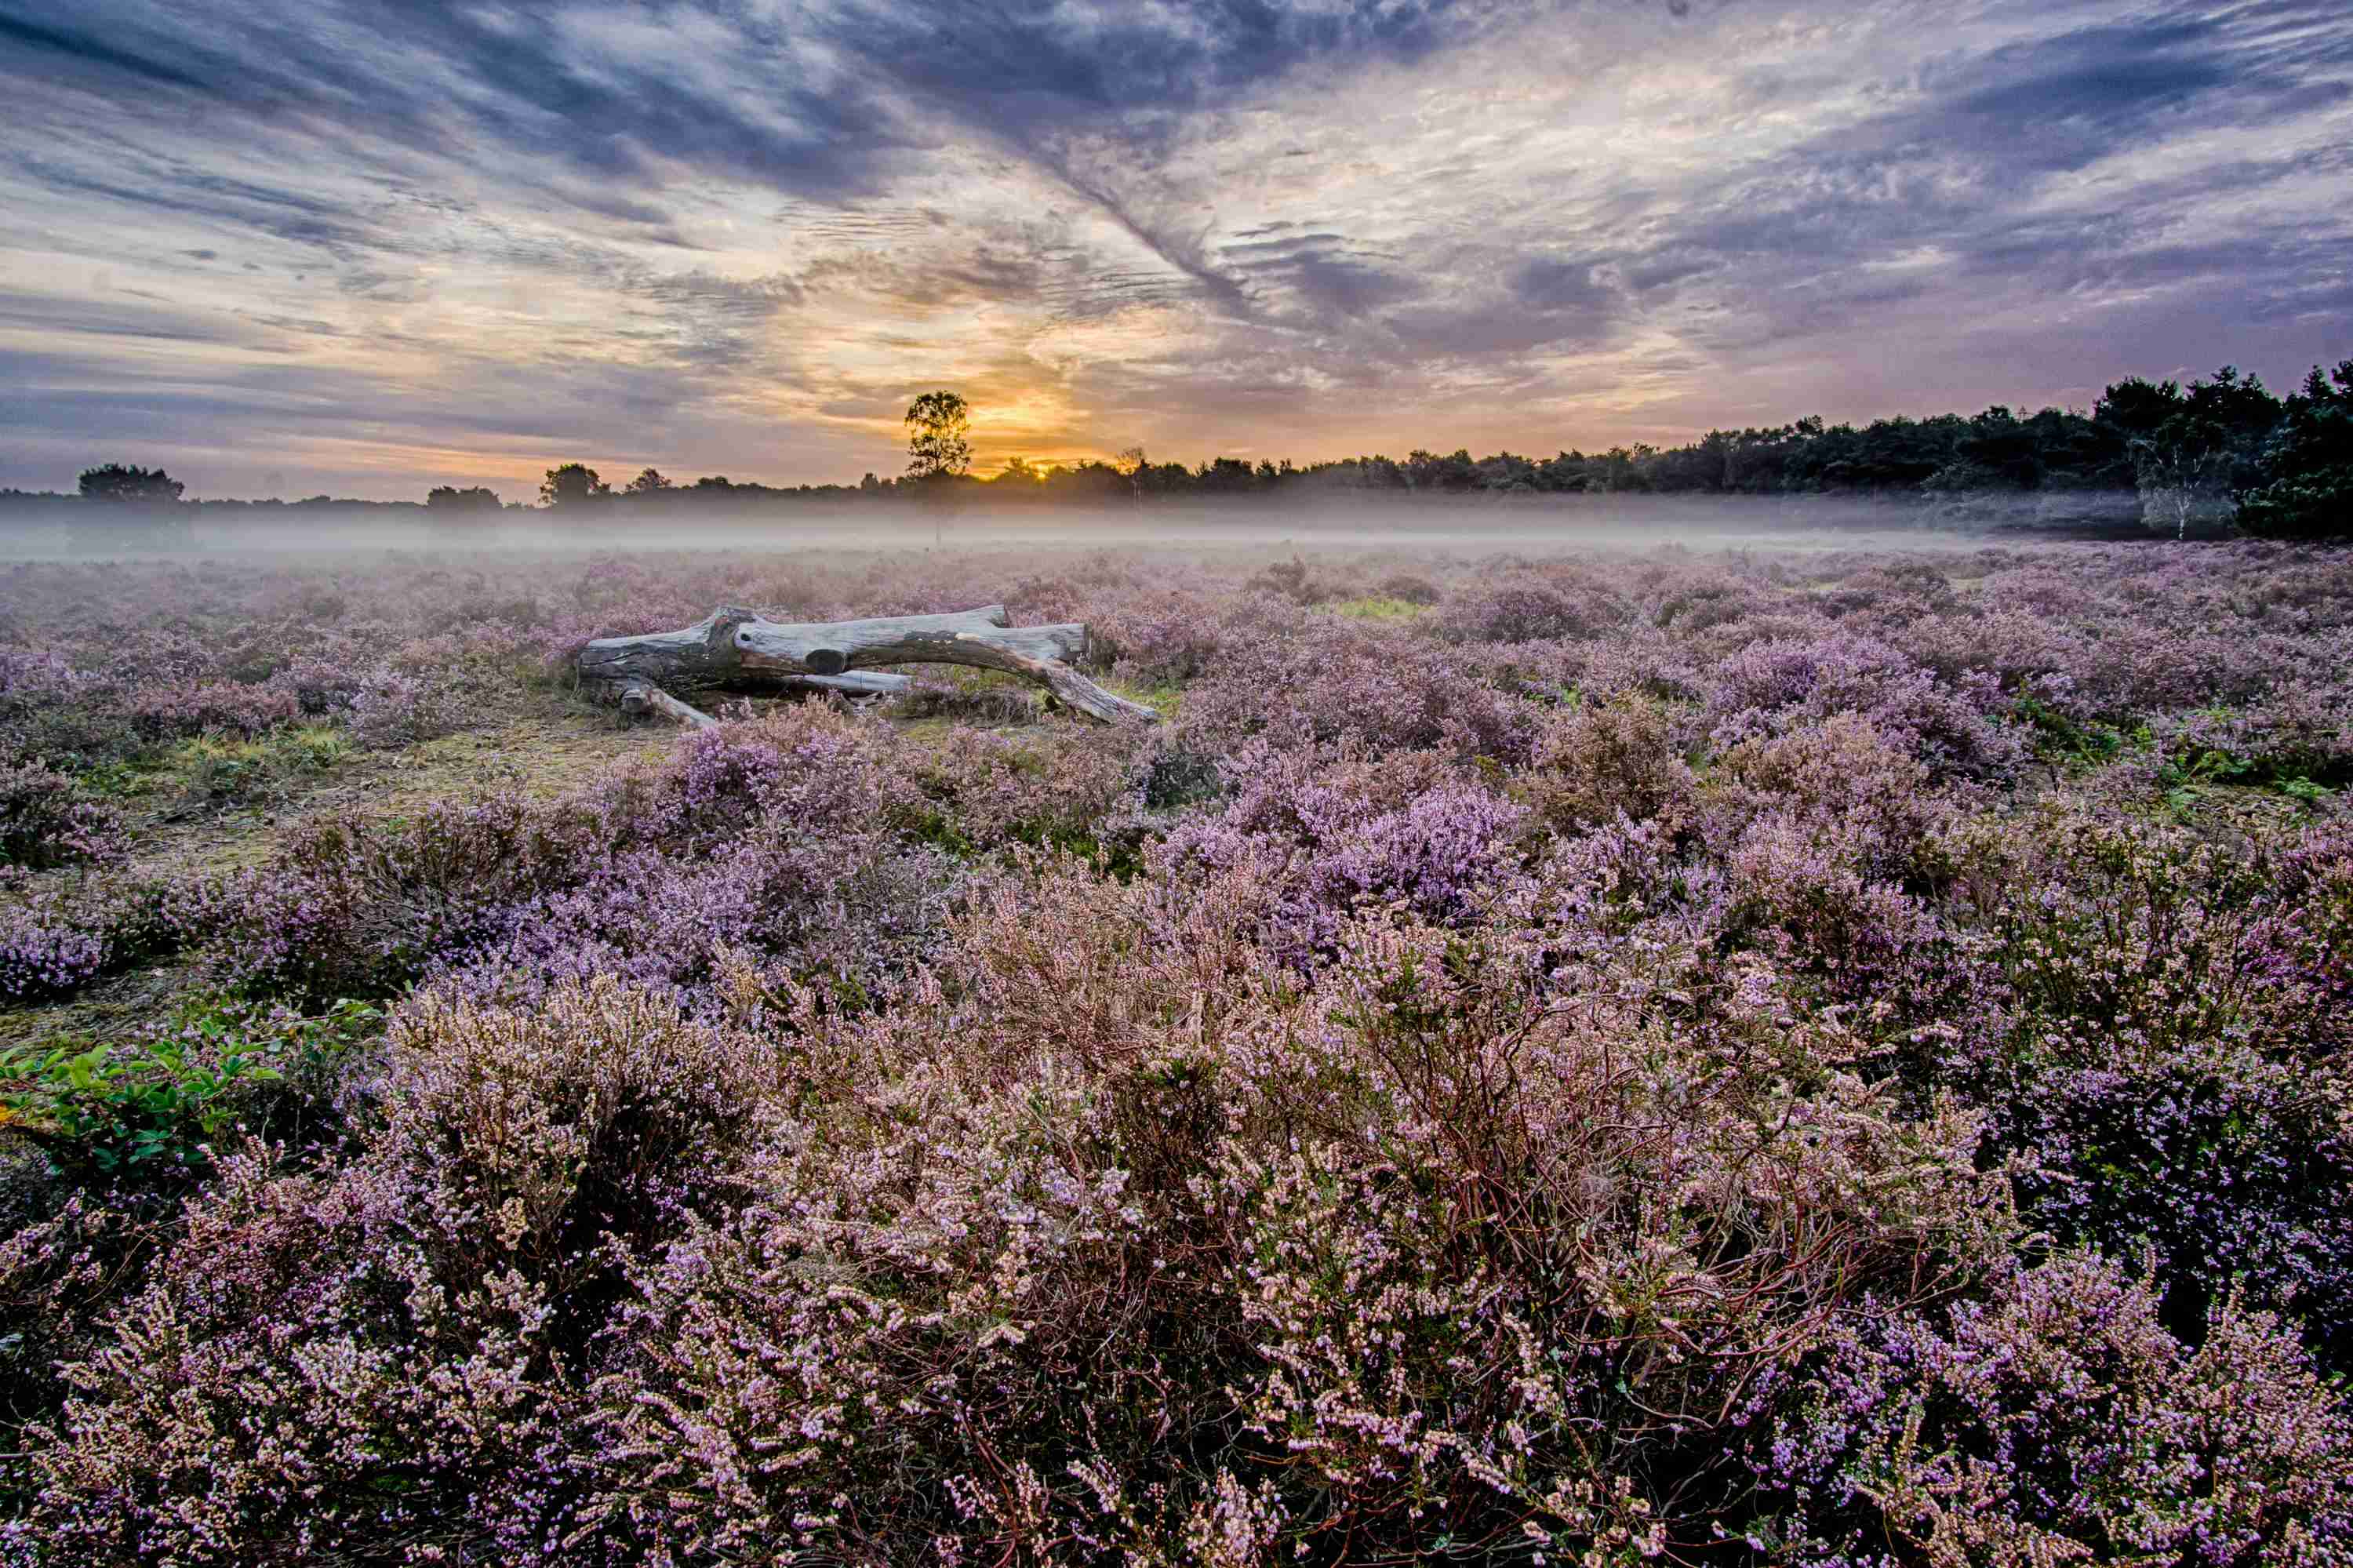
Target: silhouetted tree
[449,498]
[2308,464]
[2135,407]
[938,425]
[571,485]
[647,482]
[120,484]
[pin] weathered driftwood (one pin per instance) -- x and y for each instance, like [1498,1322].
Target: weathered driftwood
[638,698]
[736,649]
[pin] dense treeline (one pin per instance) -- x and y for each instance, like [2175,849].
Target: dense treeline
[2220,452]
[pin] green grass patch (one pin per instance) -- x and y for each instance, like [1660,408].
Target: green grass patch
[1376,607]
[222,768]
[1163,700]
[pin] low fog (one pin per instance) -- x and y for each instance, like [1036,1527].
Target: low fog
[1550,525]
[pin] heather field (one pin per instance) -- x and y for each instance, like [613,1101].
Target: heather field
[1772,1056]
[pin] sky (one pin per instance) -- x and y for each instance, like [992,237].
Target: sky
[287,246]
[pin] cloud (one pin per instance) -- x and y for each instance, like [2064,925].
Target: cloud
[739,232]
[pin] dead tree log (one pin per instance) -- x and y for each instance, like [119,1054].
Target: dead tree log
[637,699]
[733,648]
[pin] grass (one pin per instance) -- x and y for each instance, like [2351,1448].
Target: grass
[1376,607]
[215,769]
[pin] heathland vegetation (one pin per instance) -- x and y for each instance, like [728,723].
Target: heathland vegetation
[1818,1058]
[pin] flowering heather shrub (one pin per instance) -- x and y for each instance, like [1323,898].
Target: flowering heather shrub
[1328,681]
[1342,1206]
[2231,1166]
[2300,734]
[794,834]
[360,908]
[168,713]
[1408,587]
[45,952]
[46,821]
[1525,608]
[991,790]
[326,1363]
[388,709]
[1891,596]
[52,713]
[1869,803]
[1760,1060]
[2062,1423]
[56,940]
[1293,580]
[969,701]
[1329,836]
[1772,686]
[853,908]
[2175,1074]
[1698,603]
[1158,638]
[1596,761]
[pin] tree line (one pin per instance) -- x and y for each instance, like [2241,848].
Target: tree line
[2222,450]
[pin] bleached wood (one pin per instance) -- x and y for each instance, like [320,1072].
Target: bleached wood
[733,648]
[642,697]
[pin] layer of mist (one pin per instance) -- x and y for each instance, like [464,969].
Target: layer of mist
[1550,523]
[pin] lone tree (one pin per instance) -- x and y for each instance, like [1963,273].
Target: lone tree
[572,484]
[123,485]
[2184,472]
[937,426]
[647,482]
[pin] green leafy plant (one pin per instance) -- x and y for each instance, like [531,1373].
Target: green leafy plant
[161,1103]
[2067,741]
[115,1111]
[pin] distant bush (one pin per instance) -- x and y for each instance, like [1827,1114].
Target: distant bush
[1293,580]
[1524,611]
[1408,589]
